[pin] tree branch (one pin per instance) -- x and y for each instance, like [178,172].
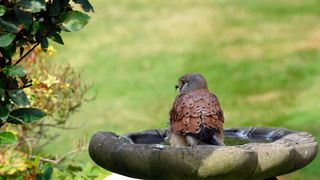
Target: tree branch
[21,58]
[68,154]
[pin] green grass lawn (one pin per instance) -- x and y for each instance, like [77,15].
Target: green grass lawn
[260,57]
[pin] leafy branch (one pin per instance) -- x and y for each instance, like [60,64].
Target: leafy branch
[27,53]
[24,25]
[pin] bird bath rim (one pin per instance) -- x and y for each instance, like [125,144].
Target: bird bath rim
[140,155]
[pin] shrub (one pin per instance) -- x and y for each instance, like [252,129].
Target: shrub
[24,24]
[25,98]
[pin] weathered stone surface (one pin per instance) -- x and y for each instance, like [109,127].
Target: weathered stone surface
[228,163]
[140,155]
[273,159]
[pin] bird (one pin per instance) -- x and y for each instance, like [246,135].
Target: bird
[196,116]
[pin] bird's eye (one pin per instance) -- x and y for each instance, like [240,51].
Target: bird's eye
[176,86]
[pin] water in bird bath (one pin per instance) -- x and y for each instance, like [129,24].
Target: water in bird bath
[232,137]
[235,140]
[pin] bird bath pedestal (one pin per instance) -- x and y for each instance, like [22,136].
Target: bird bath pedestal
[250,153]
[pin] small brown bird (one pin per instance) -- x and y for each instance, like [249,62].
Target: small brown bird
[196,116]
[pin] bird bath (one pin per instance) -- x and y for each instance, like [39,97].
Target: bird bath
[250,153]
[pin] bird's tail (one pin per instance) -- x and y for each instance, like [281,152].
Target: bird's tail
[209,135]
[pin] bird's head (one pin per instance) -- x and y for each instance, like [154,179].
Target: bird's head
[191,82]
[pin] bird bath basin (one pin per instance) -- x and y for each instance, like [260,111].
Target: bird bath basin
[250,153]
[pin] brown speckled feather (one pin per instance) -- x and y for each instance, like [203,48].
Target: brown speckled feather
[195,108]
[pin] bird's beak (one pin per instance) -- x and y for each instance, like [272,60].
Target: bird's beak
[176,87]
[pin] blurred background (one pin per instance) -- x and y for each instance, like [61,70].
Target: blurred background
[261,58]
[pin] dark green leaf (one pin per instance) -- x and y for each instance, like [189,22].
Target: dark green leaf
[74,21]
[24,17]
[8,51]
[47,172]
[35,26]
[25,115]
[55,8]
[2,10]
[10,24]
[12,83]
[4,110]
[33,6]
[14,70]
[18,178]
[7,137]
[85,5]
[2,93]
[44,43]
[6,39]
[74,167]
[19,97]
[41,34]
[56,37]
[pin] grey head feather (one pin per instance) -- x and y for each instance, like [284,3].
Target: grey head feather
[191,82]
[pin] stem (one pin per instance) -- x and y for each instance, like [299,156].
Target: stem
[22,87]
[68,154]
[21,58]
[55,161]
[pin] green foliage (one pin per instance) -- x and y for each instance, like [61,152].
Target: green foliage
[2,10]
[4,110]
[58,91]
[12,163]
[84,5]
[46,173]
[24,24]
[7,138]
[6,39]
[19,97]
[75,170]
[74,21]
[25,115]
[29,169]
[14,70]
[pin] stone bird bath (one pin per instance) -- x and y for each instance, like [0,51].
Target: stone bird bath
[250,153]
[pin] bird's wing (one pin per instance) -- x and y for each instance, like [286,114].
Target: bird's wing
[193,111]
